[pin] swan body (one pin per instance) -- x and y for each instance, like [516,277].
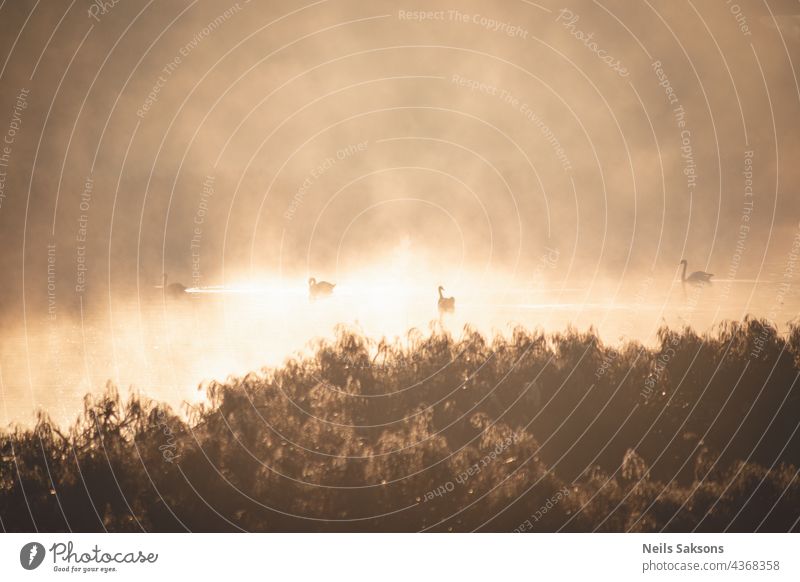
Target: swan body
[446,304]
[173,290]
[316,290]
[696,278]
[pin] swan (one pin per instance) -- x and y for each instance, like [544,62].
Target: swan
[319,289]
[696,278]
[446,304]
[173,289]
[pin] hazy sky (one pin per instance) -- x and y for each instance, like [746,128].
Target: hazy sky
[256,139]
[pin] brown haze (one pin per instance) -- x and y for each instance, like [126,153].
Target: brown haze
[431,182]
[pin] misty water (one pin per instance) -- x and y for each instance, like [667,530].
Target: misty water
[167,350]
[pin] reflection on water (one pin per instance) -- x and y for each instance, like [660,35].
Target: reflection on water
[164,350]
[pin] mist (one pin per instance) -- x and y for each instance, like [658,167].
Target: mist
[548,164]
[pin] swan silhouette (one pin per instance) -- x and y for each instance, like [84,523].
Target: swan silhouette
[696,278]
[446,304]
[173,290]
[317,290]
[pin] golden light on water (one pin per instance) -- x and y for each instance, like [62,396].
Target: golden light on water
[166,349]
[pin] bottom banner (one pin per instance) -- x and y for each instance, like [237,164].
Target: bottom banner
[355,557]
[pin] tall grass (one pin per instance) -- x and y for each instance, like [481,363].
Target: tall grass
[528,432]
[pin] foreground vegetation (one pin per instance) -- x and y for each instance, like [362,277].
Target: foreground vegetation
[527,433]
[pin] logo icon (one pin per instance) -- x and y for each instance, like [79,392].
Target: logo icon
[31,555]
